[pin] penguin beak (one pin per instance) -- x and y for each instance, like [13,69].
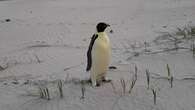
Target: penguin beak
[111,31]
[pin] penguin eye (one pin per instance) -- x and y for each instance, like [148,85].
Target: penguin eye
[106,26]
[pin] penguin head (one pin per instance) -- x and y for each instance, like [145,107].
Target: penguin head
[102,26]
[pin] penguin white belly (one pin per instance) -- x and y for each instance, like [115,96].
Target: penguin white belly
[100,57]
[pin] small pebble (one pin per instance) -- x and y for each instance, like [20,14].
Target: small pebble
[15,82]
[112,67]
[7,20]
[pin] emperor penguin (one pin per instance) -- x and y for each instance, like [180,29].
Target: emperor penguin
[98,55]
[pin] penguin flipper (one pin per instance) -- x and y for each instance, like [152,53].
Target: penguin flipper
[89,57]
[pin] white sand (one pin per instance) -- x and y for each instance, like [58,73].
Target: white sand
[57,32]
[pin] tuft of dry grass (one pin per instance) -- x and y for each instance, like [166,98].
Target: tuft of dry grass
[192,30]
[113,87]
[48,94]
[136,70]
[182,32]
[193,48]
[123,85]
[37,58]
[134,79]
[83,89]
[168,72]
[186,32]
[177,40]
[44,93]
[41,92]
[148,78]
[3,67]
[60,87]
[154,95]
[132,85]
[171,81]
[169,77]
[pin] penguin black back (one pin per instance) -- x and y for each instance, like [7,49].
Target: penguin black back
[89,58]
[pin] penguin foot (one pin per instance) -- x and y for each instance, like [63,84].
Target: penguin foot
[106,80]
[89,81]
[98,85]
[94,85]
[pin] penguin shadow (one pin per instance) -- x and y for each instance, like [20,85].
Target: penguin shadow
[88,82]
[99,83]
